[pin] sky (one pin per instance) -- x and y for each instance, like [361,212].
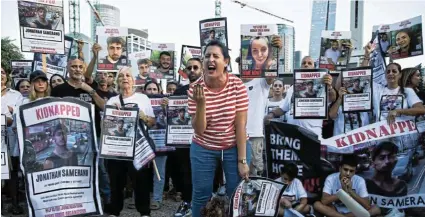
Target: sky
[176,21]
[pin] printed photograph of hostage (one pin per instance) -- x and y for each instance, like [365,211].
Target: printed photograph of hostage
[40,16]
[118,127]
[178,116]
[164,64]
[309,89]
[21,71]
[389,103]
[357,84]
[406,42]
[160,119]
[249,199]
[260,51]
[116,54]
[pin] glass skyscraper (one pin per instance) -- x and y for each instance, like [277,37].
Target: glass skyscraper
[286,55]
[322,18]
[110,16]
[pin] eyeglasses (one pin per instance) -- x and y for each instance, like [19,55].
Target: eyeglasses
[192,67]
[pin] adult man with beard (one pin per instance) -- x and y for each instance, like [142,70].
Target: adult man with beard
[115,56]
[143,76]
[194,72]
[384,160]
[333,53]
[164,70]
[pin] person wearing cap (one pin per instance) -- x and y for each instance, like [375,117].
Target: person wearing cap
[39,85]
[10,99]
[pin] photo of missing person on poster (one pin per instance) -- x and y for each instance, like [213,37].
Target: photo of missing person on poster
[213,29]
[309,89]
[250,198]
[57,143]
[178,116]
[357,84]
[118,126]
[21,68]
[40,16]
[113,54]
[389,103]
[57,60]
[162,58]
[334,53]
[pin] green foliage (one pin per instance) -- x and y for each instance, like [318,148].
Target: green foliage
[9,51]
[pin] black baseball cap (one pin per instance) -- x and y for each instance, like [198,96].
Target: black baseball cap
[38,74]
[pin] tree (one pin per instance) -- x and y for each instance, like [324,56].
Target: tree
[9,51]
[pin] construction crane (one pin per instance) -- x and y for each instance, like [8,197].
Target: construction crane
[260,10]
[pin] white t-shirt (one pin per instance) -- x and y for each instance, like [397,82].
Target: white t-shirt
[294,192]
[340,124]
[334,55]
[13,99]
[272,105]
[258,92]
[333,184]
[314,125]
[139,99]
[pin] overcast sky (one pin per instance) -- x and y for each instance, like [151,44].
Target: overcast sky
[176,21]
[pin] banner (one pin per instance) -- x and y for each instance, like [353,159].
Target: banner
[42,26]
[118,133]
[179,129]
[162,57]
[58,149]
[335,49]
[402,39]
[377,61]
[113,41]
[159,131]
[5,174]
[55,63]
[21,69]
[259,57]
[358,83]
[187,53]
[256,197]
[310,94]
[140,66]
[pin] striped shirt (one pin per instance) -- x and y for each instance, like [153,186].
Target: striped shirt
[221,108]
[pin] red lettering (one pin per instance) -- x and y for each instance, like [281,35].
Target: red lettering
[38,114]
[360,137]
[350,139]
[411,125]
[340,142]
[371,133]
[384,131]
[393,128]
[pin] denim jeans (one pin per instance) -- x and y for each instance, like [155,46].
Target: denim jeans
[204,163]
[158,186]
[104,186]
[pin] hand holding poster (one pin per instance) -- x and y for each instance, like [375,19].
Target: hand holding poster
[179,129]
[310,94]
[4,150]
[259,56]
[140,66]
[162,57]
[256,197]
[118,133]
[335,50]
[42,26]
[402,39]
[58,157]
[113,41]
[187,53]
[358,84]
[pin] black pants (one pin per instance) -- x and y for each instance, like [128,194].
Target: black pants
[172,171]
[184,181]
[14,181]
[118,171]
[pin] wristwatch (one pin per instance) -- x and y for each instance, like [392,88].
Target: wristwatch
[92,92]
[242,161]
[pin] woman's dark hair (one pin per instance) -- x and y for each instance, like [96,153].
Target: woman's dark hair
[55,75]
[19,83]
[173,83]
[269,55]
[151,82]
[224,49]
[291,170]
[400,83]
[279,80]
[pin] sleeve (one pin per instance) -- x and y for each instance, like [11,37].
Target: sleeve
[412,97]
[55,92]
[264,84]
[300,190]
[362,190]
[190,103]
[111,101]
[241,97]
[148,107]
[285,106]
[327,54]
[327,188]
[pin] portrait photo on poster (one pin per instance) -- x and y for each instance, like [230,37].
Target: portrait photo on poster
[179,124]
[188,52]
[140,66]
[21,68]
[335,48]
[113,41]
[258,55]
[55,60]
[213,29]
[162,58]
[42,26]
[358,83]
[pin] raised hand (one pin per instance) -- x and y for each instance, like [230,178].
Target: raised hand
[198,94]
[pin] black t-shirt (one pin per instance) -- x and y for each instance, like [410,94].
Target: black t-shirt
[66,90]
[182,90]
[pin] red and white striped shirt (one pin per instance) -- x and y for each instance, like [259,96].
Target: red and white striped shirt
[221,108]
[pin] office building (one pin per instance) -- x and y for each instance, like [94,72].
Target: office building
[356,23]
[109,14]
[297,59]
[322,18]
[137,40]
[286,55]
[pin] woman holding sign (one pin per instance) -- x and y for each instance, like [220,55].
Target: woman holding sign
[218,104]
[118,169]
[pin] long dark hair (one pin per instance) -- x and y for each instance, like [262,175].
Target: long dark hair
[400,83]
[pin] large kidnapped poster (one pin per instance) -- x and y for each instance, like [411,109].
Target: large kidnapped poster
[58,157]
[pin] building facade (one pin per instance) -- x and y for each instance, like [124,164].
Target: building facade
[297,59]
[286,55]
[356,23]
[322,18]
[109,14]
[137,40]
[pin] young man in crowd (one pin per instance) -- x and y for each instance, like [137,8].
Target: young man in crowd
[347,180]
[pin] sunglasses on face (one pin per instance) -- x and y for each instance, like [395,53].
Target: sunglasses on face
[192,67]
